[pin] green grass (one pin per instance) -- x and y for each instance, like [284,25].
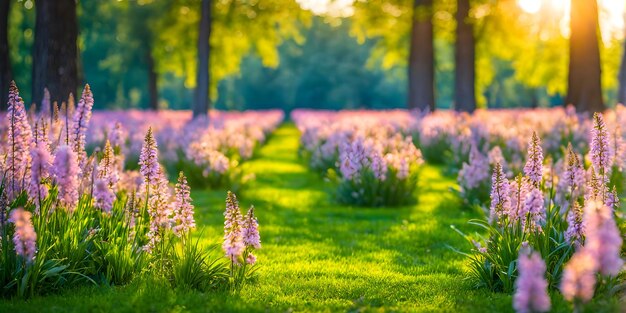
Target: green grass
[318,256]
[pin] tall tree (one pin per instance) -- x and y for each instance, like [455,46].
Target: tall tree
[421,89]
[202,99]
[464,57]
[621,92]
[55,51]
[5,64]
[584,84]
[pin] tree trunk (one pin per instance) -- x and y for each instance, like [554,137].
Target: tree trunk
[153,92]
[584,87]
[464,57]
[621,92]
[5,62]
[55,54]
[421,87]
[202,99]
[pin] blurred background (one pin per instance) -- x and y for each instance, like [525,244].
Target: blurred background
[325,54]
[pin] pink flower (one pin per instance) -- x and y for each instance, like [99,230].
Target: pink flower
[475,172]
[599,147]
[251,236]
[233,233]
[40,170]
[159,211]
[575,226]
[24,238]
[19,135]
[108,171]
[500,194]
[603,239]
[579,278]
[103,195]
[65,173]
[534,212]
[80,124]
[534,163]
[182,208]
[149,160]
[251,259]
[531,287]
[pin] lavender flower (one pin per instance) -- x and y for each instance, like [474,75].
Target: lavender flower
[149,160]
[534,209]
[233,233]
[572,178]
[531,287]
[599,147]
[182,208]
[579,277]
[40,170]
[103,195]
[475,172]
[500,194]
[603,239]
[575,226]
[159,211]
[80,123]
[519,187]
[65,173]
[24,238]
[251,236]
[19,135]
[534,163]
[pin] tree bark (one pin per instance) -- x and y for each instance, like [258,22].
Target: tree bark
[584,86]
[153,92]
[5,62]
[202,99]
[55,51]
[421,87]
[621,92]
[464,57]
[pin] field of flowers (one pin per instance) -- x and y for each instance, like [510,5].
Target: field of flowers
[501,210]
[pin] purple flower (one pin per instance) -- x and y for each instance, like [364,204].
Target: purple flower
[107,169]
[19,136]
[500,194]
[251,236]
[233,233]
[534,163]
[182,208]
[41,165]
[599,147]
[603,240]
[149,160]
[519,189]
[573,177]
[24,238]
[579,278]
[575,226]
[531,287]
[251,259]
[159,211]
[80,124]
[534,212]
[65,172]
[103,195]
[475,172]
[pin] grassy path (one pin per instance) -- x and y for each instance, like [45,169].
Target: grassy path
[317,256]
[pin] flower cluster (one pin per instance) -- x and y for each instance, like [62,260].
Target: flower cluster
[241,234]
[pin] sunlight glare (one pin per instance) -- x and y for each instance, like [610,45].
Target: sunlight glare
[530,6]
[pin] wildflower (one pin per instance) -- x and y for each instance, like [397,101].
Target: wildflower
[531,287]
[40,170]
[148,160]
[603,240]
[233,233]
[159,211]
[19,136]
[4,207]
[534,209]
[475,172]
[107,170]
[534,164]
[519,189]
[575,226]
[65,173]
[599,147]
[24,238]
[103,195]
[182,208]
[573,177]
[500,194]
[251,236]
[80,123]
[579,277]
[251,259]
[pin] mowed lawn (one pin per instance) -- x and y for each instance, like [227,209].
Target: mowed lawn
[316,255]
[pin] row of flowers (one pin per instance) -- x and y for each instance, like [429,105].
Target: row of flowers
[547,180]
[69,217]
[372,162]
